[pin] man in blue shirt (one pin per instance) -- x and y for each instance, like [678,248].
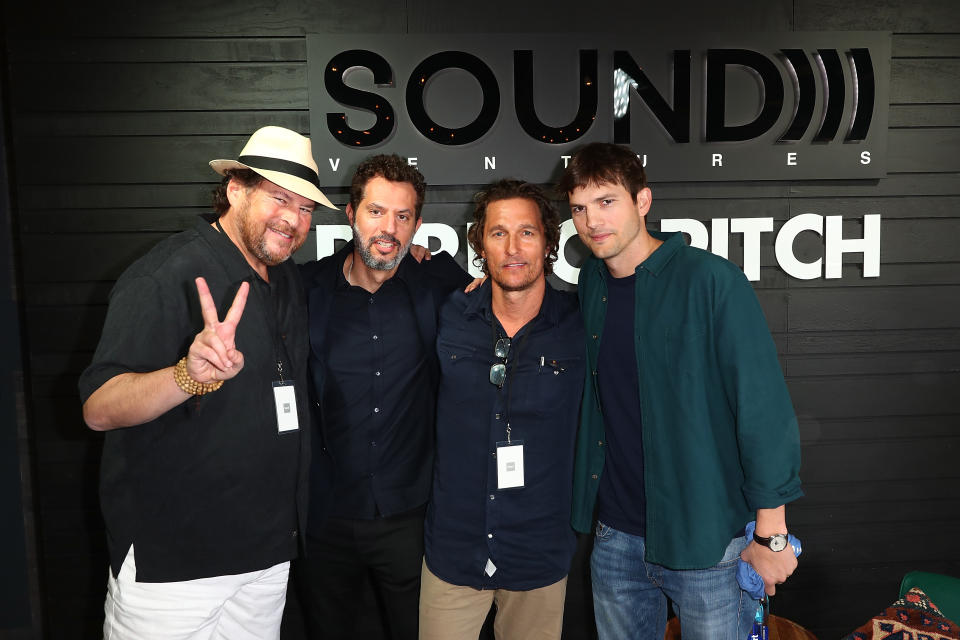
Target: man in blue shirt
[687,430]
[511,359]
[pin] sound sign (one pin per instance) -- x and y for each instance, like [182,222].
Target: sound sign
[469,109]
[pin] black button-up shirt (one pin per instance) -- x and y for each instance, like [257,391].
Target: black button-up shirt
[524,532]
[374,375]
[210,487]
[376,398]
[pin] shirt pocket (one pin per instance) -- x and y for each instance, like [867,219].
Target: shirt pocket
[462,364]
[558,383]
[687,346]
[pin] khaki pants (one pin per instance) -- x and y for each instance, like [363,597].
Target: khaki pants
[451,612]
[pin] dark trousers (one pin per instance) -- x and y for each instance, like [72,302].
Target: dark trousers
[339,558]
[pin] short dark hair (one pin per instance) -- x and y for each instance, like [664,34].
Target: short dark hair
[505,190]
[603,163]
[389,167]
[248,178]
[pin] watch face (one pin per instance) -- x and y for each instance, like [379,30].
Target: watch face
[778,542]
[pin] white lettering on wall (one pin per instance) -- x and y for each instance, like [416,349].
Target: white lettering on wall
[327,234]
[334,163]
[717,238]
[696,230]
[564,270]
[784,246]
[717,160]
[868,246]
[751,228]
[446,234]
[489,162]
[472,268]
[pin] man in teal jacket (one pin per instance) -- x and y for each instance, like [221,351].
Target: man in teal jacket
[687,430]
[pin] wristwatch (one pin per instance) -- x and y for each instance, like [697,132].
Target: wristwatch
[776,542]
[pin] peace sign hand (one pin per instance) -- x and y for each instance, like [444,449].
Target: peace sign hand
[213,355]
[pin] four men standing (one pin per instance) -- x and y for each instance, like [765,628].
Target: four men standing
[686,429]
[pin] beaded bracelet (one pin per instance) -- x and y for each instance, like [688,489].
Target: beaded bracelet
[188,384]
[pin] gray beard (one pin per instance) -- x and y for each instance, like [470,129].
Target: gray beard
[372,261]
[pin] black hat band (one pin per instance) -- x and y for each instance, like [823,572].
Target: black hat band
[283,166]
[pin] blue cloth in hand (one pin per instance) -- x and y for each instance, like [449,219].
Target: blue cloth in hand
[750,581]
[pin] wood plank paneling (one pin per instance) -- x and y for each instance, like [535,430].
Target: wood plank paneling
[920,307]
[160,87]
[926,81]
[138,97]
[206,18]
[917,45]
[918,16]
[871,340]
[621,16]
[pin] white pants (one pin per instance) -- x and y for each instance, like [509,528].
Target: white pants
[238,607]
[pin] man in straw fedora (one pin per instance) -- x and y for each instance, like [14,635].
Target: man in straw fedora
[199,381]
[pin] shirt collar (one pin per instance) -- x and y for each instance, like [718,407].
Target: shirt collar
[226,251]
[403,272]
[657,261]
[480,302]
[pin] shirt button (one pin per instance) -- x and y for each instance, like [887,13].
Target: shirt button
[493,453]
[594,372]
[497,416]
[373,444]
[490,535]
[294,533]
[377,373]
[594,336]
[375,338]
[594,476]
[371,300]
[603,299]
[492,497]
[599,443]
[376,409]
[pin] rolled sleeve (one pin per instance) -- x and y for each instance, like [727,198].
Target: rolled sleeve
[766,424]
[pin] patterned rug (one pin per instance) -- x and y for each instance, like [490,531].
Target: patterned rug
[912,617]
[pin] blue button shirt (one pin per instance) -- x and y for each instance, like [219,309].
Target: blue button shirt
[524,532]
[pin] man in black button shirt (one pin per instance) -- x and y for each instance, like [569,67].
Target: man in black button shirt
[511,357]
[372,310]
[203,483]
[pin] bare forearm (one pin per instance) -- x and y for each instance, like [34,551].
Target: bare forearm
[771,521]
[132,398]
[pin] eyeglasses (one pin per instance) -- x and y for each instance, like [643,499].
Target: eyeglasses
[498,370]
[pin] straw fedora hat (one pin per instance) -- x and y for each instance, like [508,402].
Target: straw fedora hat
[284,158]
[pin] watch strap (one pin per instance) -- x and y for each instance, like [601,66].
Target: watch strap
[768,542]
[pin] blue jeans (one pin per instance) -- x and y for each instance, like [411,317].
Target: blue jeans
[629,594]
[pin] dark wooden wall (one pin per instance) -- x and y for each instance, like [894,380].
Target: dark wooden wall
[116,109]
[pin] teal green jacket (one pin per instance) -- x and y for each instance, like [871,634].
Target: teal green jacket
[720,436]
